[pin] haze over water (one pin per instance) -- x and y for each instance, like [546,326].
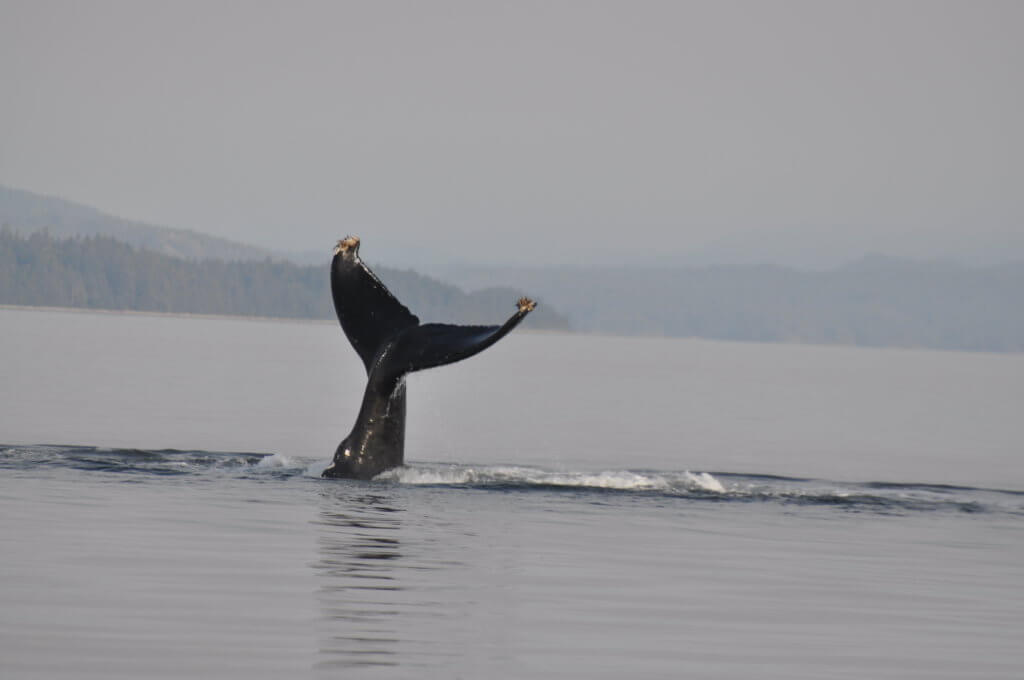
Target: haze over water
[574,507]
[569,133]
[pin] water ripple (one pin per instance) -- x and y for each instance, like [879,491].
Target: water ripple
[880,497]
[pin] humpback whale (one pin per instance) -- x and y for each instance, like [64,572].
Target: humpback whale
[392,343]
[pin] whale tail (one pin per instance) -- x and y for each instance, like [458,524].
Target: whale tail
[391,342]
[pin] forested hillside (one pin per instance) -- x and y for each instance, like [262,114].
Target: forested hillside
[875,301]
[26,213]
[102,273]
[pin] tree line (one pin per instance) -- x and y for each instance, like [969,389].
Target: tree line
[876,301]
[100,272]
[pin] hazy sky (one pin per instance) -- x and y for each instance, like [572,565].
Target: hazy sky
[531,131]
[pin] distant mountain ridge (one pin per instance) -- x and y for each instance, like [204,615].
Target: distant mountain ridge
[27,213]
[874,301]
[100,272]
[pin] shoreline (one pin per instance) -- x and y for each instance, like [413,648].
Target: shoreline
[145,312]
[225,317]
[532,331]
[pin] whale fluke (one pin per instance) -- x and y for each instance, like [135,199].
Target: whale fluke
[392,343]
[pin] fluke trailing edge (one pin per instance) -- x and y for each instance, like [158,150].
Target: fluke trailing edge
[392,342]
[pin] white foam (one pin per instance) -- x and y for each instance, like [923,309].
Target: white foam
[316,468]
[453,474]
[705,481]
[505,474]
[611,479]
[275,461]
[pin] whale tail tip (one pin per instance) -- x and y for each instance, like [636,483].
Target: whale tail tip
[525,304]
[346,244]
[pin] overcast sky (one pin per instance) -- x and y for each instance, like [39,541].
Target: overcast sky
[517,132]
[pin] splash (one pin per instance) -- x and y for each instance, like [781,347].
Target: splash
[887,498]
[276,461]
[706,481]
[506,475]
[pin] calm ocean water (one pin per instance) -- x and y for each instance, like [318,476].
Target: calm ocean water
[574,507]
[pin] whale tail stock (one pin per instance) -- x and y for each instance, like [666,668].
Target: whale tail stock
[391,342]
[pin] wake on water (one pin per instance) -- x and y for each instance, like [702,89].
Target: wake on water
[877,497]
[517,476]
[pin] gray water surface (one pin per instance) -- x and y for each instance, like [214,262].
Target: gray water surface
[574,507]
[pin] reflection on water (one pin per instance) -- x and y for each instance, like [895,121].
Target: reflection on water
[392,583]
[415,581]
[360,574]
